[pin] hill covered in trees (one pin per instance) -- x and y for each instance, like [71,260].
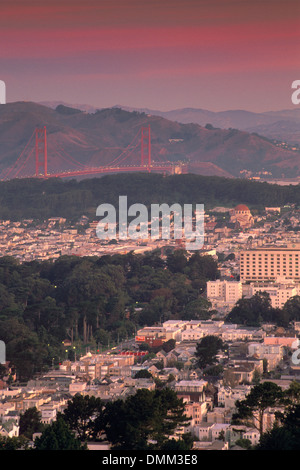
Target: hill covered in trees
[93,302]
[41,199]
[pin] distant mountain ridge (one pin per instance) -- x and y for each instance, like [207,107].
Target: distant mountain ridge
[278,125]
[96,138]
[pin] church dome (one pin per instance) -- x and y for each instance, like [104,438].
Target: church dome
[242,208]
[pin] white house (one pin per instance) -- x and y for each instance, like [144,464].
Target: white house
[227,396]
[217,429]
[253,435]
[48,413]
[9,429]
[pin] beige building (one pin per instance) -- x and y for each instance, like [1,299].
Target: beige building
[224,292]
[196,411]
[267,264]
[272,353]
[279,293]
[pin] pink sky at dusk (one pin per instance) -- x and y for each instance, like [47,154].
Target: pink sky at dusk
[160,54]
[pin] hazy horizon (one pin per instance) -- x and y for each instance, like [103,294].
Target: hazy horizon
[215,55]
[116,105]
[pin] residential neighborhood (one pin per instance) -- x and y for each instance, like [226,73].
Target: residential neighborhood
[209,400]
[252,355]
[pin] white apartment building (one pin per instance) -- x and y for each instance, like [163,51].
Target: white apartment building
[273,353]
[238,334]
[193,386]
[266,264]
[252,435]
[218,428]
[230,332]
[194,334]
[77,387]
[228,292]
[259,349]
[227,396]
[49,414]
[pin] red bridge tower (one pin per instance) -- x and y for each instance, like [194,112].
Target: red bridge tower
[41,151]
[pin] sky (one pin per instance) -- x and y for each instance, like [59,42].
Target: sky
[158,54]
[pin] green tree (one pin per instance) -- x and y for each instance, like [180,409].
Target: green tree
[291,309]
[253,311]
[83,414]
[278,438]
[30,422]
[196,310]
[24,349]
[145,420]
[143,374]
[207,349]
[251,410]
[293,392]
[14,443]
[177,445]
[202,267]
[177,261]
[169,345]
[58,436]
[244,443]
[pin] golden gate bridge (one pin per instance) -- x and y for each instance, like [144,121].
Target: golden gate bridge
[35,160]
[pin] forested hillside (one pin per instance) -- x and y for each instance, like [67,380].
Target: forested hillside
[41,199]
[93,301]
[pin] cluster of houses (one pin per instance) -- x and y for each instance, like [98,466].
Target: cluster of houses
[209,400]
[28,239]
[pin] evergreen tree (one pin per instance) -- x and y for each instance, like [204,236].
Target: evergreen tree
[83,414]
[30,422]
[207,349]
[145,420]
[58,436]
[251,410]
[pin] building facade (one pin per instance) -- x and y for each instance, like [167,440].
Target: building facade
[267,264]
[225,292]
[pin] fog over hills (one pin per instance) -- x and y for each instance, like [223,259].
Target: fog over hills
[96,137]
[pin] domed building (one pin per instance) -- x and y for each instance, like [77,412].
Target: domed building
[241,216]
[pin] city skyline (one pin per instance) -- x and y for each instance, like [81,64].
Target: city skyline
[218,55]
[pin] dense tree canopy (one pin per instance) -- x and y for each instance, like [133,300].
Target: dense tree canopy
[30,423]
[82,415]
[145,420]
[39,199]
[98,301]
[207,349]
[92,301]
[253,311]
[58,436]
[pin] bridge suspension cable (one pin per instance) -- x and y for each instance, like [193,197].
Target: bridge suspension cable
[116,165]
